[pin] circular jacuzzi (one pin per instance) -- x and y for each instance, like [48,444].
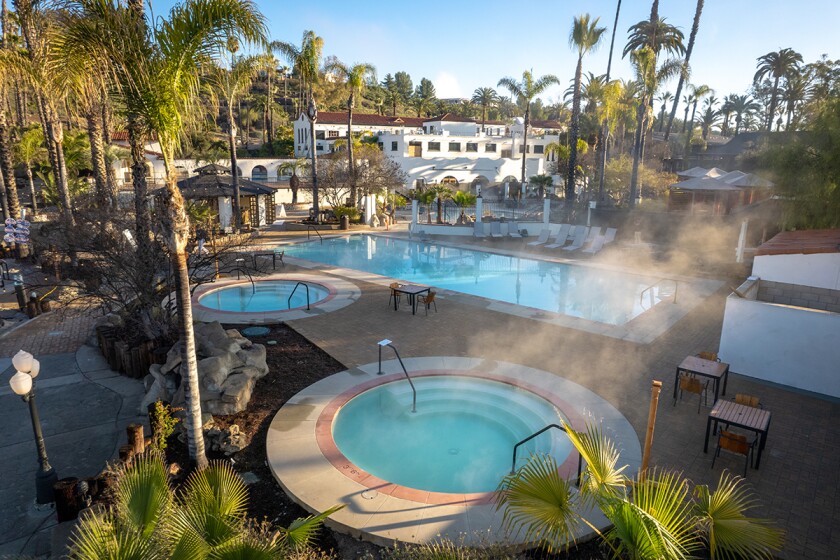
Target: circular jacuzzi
[458,439]
[262,296]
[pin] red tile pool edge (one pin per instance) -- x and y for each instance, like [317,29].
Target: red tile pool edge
[332,292]
[326,443]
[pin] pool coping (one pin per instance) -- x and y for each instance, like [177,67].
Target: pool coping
[374,510]
[341,294]
[642,329]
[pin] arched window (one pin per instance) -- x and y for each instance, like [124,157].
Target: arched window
[449,181]
[259,173]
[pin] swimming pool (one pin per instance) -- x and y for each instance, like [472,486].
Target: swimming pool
[459,439]
[603,296]
[267,295]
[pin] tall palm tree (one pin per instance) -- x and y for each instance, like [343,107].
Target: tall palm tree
[726,110]
[688,100]
[708,119]
[356,78]
[783,62]
[653,515]
[228,84]
[697,93]
[665,98]
[795,92]
[305,59]
[605,123]
[658,36]
[159,69]
[744,107]
[525,91]
[485,97]
[584,37]
[684,75]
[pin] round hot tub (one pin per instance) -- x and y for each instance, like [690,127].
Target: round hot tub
[267,295]
[459,438]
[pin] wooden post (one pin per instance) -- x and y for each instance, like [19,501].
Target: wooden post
[136,438]
[126,454]
[654,401]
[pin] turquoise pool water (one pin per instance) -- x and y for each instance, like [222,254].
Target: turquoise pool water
[460,439]
[269,295]
[578,291]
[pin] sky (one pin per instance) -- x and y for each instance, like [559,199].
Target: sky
[462,45]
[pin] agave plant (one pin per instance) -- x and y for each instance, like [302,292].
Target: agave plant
[655,515]
[206,520]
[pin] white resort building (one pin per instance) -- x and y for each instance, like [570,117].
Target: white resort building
[446,149]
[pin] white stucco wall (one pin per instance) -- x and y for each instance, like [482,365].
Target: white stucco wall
[788,345]
[820,270]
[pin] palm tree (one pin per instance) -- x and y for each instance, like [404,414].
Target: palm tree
[525,91]
[542,182]
[658,36]
[585,36]
[485,97]
[356,78]
[708,119]
[784,62]
[427,197]
[684,75]
[744,107]
[227,85]
[605,123]
[305,59]
[441,193]
[159,67]
[462,200]
[726,110]
[795,92]
[28,151]
[664,98]
[293,167]
[697,93]
[207,520]
[654,515]
[688,100]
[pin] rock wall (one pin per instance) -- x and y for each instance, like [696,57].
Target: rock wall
[228,367]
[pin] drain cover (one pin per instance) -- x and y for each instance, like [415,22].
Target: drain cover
[256,331]
[454,451]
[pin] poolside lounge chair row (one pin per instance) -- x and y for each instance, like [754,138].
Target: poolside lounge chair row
[580,236]
[497,230]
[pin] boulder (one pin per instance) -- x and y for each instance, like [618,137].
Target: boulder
[211,337]
[250,371]
[212,372]
[156,392]
[237,393]
[173,358]
[255,357]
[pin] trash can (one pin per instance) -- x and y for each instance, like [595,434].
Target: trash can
[345,222]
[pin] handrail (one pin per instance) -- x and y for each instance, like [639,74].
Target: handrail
[4,266]
[248,274]
[387,342]
[313,228]
[289,301]
[655,284]
[535,434]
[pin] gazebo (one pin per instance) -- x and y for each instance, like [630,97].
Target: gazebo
[214,183]
[716,192]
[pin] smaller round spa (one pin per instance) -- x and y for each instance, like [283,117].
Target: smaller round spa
[266,295]
[460,439]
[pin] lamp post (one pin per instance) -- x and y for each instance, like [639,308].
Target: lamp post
[23,384]
[312,113]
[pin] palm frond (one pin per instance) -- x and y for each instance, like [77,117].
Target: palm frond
[101,537]
[601,475]
[302,531]
[730,533]
[540,503]
[143,496]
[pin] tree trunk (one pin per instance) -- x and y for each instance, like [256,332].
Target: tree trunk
[20,102]
[637,153]
[234,171]
[176,226]
[525,136]
[6,164]
[3,201]
[694,27]
[97,155]
[570,174]
[690,129]
[685,118]
[31,183]
[605,126]
[772,111]
[294,184]
[142,216]
[350,161]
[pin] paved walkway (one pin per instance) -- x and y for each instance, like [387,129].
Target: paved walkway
[85,406]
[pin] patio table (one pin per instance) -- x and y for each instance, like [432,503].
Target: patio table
[716,371]
[411,290]
[750,418]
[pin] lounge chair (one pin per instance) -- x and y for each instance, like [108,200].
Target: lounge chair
[478,230]
[580,239]
[542,239]
[561,237]
[513,230]
[595,246]
[609,237]
[496,229]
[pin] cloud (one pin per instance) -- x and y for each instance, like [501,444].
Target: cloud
[447,86]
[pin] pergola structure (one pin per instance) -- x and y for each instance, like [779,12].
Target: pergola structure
[214,183]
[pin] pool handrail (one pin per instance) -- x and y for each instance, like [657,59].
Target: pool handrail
[387,342]
[535,434]
[313,228]
[289,301]
[650,288]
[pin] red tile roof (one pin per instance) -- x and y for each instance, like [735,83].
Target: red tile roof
[364,119]
[449,117]
[804,242]
[122,136]
[546,124]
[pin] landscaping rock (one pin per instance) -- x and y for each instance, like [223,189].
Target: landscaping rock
[212,372]
[255,357]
